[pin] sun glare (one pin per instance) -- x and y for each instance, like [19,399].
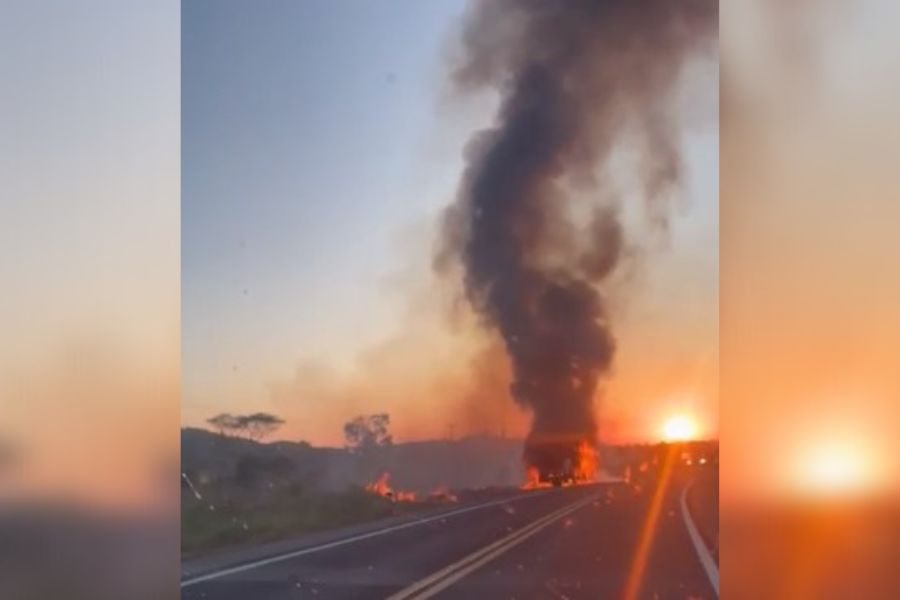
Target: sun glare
[679,428]
[836,470]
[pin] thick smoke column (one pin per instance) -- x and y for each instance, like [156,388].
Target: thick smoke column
[575,77]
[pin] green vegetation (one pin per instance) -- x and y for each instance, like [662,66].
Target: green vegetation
[207,525]
[261,498]
[259,494]
[238,492]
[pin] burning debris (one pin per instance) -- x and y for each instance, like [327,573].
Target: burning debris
[442,494]
[576,79]
[381,486]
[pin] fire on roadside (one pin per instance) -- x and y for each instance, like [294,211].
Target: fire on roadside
[588,462]
[533,480]
[442,494]
[382,487]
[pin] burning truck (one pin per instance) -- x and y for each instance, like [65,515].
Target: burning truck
[561,464]
[558,476]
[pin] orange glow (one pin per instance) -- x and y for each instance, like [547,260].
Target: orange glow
[588,463]
[382,487]
[402,496]
[833,469]
[836,469]
[679,428]
[533,480]
[443,494]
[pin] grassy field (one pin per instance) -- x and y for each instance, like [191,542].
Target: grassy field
[215,522]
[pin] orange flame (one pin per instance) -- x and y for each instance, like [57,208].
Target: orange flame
[443,494]
[402,496]
[533,480]
[381,486]
[588,462]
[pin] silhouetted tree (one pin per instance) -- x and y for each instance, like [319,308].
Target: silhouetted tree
[255,426]
[259,425]
[368,431]
[225,423]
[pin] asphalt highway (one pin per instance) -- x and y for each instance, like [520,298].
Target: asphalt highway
[570,543]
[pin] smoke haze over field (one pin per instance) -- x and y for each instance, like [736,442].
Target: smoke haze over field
[576,80]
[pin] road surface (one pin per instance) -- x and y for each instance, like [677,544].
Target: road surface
[568,543]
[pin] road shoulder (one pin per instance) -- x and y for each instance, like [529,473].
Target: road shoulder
[210,566]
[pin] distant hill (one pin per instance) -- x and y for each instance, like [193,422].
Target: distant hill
[470,462]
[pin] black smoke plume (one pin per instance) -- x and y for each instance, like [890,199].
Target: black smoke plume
[575,77]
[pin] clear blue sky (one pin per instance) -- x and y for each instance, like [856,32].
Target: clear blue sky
[305,152]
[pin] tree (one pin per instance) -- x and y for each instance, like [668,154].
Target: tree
[259,425]
[368,431]
[224,423]
[255,426]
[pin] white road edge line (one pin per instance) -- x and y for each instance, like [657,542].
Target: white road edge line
[363,536]
[444,578]
[703,553]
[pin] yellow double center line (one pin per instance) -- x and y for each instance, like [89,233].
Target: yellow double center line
[440,580]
